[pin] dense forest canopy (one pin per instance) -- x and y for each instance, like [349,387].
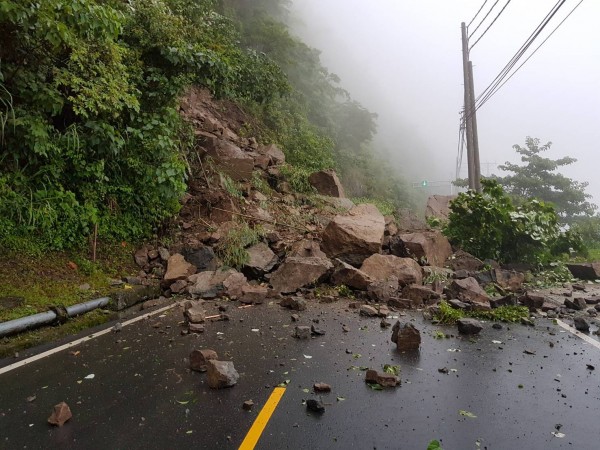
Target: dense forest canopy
[90,134]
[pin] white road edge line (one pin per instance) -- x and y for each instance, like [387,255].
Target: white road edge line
[579,334]
[52,351]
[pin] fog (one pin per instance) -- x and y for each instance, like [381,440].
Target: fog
[402,60]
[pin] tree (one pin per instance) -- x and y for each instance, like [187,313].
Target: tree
[539,178]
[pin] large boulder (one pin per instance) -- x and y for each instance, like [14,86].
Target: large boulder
[276,156]
[508,279]
[462,260]
[221,374]
[297,272]
[201,256]
[468,290]
[420,295]
[261,260]
[439,206]
[178,268]
[306,248]
[211,284]
[585,271]
[231,159]
[326,182]
[429,245]
[355,236]
[382,267]
[406,336]
[349,276]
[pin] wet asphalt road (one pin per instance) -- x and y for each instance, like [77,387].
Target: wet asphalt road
[143,396]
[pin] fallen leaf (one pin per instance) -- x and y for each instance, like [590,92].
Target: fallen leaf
[307,356]
[306,391]
[393,370]
[340,399]
[90,376]
[75,353]
[31,398]
[558,434]
[462,412]
[182,402]
[496,342]
[189,432]
[434,445]
[255,330]
[375,386]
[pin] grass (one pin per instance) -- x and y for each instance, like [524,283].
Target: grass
[9,346]
[54,278]
[449,315]
[593,254]
[232,249]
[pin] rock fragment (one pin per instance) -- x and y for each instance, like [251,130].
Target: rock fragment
[221,374]
[406,336]
[302,332]
[60,414]
[315,405]
[469,326]
[294,303]
[381,378]
[581,324]
[368,311]
[321,387]
[199,359]
[247,405]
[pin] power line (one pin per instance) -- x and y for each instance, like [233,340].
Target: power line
[490,25]
[489,91]
[477,13]
[538,47]
[485,17]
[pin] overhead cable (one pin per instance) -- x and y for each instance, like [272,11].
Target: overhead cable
[485,17]
[488,91]
[538,47]
[477,13]
[490,25]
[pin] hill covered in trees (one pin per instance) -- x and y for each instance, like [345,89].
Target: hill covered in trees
[91,137]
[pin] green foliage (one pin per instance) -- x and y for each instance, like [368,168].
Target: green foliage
[488,225]
[344,291]
[232,248]
[538,178]
[385,207]
[449,315]
[434,445]
[297,177]
[588,229]
[555,274]
[232,187]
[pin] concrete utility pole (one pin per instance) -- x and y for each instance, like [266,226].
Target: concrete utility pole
[469,116]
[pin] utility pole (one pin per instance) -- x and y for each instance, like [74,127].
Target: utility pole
[476,165]
[469,116]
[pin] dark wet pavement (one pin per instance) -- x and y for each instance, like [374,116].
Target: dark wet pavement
[143,396]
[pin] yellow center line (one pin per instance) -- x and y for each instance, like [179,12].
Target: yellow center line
[261,421]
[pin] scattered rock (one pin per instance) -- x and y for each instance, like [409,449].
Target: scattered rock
[439,206]
[578,304]
[248,405]
[199,359]
[406,336]
[585,271]
[297,272]
[294,303]
[321,387]
[381,291]
[581,324]
[430,246]
[316,331]
[195,328]
[533,301]
[221,374]
[178,268]
[382,267]
[326,182]
[306,248]
[420,295]
[253,294]
[60,414]
[469,326]
[195,314]
[315,405]
[355,236]
[462,260]
[381,378]
[368,311]
[349,276]
[202,257]
[469,291]
[508,279]
[507,300]
[261,260]
[444,370]
[302,332]
[295,317]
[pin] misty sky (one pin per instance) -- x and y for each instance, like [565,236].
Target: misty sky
[402,60]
